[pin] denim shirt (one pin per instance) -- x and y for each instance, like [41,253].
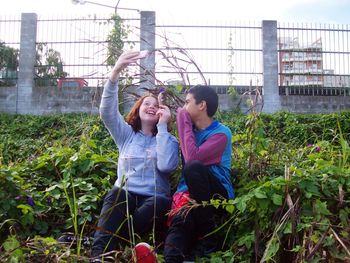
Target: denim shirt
[145,161]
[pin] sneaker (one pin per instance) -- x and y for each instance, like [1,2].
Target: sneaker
[71,239]
[107,259]
[144,253]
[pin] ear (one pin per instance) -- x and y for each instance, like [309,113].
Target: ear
[203,105]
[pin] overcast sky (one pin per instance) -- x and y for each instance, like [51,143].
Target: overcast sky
[182,11]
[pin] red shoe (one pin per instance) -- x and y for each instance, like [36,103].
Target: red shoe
[144,253]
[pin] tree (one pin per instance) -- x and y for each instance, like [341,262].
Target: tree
[8,64]
[49,66]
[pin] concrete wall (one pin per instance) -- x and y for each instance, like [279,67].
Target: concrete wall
[47,100]
[296,104]
[315,104]
[8,99]
[53,100]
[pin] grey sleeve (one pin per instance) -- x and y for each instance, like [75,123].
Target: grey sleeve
[167,150]
[111,116]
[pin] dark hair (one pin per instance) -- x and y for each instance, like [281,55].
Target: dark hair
[207,94]
[133,117]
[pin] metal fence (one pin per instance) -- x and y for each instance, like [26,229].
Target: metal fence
[226,54]
[10,33]
[82,43]
[313,59]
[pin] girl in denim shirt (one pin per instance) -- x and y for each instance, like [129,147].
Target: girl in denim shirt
[148,153]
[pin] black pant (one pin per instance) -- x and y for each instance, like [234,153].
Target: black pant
[188,227]
[113,224]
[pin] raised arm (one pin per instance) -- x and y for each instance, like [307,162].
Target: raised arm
[109,111]
[209,152]
[167,145]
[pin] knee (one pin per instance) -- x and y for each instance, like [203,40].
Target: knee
[192,169]
[193,166]
[163,202]
[116,194]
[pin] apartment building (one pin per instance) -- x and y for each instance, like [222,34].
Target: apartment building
[300,65]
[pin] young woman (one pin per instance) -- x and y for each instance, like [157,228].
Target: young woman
[148,153]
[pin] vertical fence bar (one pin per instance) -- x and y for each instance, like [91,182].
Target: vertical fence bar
[27,59]
[270,67]
[147,42]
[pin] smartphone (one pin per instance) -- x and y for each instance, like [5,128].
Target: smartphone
[143,54]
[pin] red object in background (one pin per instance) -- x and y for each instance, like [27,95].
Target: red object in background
[72,83]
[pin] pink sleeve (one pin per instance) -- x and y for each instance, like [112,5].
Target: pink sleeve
[209,152]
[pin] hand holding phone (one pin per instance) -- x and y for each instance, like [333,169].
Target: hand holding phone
[143,54]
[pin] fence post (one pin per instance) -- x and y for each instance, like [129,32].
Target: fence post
[27,59]
[271,97]
[147,42]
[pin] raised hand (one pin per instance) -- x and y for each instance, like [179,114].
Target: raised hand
[164,114]
[123,61]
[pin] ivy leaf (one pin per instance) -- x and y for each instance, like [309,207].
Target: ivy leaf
[321,207]
[25,208]
[241,204]
[229,207]
[288,228]
[12,245]
[215,202]
[277,199]
[86,165]
[260,194]
[92,144]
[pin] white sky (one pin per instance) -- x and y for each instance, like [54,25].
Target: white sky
[188,12]
[184,11]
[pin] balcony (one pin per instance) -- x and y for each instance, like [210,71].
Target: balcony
[303,59]
[305,71]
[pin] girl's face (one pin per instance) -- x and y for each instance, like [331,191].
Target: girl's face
[148,110]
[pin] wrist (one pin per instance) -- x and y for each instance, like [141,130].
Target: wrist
[162,127]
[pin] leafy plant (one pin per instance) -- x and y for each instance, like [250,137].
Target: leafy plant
[292,187]
[8,64]
[116,39]
[49,66]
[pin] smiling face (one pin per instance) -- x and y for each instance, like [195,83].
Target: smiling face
[148,110]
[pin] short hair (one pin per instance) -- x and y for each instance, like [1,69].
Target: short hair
[133,117]
[207,94]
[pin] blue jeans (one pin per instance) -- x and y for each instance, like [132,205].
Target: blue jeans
[114,225]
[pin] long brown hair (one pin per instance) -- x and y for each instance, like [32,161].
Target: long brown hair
[133,117]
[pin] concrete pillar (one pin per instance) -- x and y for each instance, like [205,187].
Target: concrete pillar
[27,57]
[271,97]
[148,42]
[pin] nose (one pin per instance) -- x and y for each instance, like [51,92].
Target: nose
[154,106]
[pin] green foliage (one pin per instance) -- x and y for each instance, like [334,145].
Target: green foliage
[116,38]
[62,181]
[292,182]
[8,64]
[8,57]
[49,66]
